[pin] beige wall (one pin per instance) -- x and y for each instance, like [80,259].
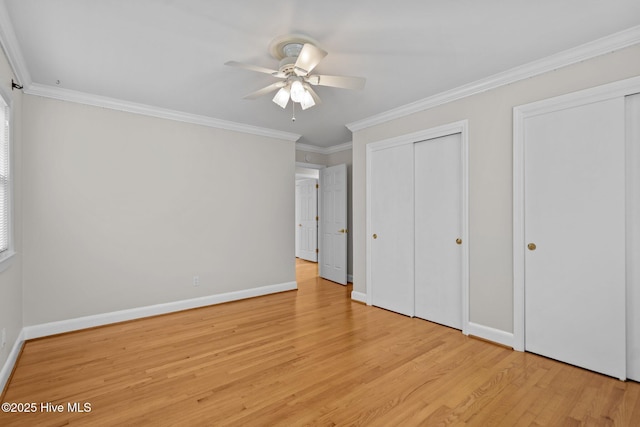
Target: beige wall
[308,157]
[122,210]
[490,173]
[11,277]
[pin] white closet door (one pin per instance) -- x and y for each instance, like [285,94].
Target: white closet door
[391,231]
[575,216]
[438,224]
[633,236]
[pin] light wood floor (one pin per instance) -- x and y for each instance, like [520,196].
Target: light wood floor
[306,357]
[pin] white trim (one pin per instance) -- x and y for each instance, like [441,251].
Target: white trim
[359,296]
[16,60]
[309,165]
[11,48]
[583,52]
[302,176]
[148,110]
[70,325]
[490,334]
[62,326]
[324,150]
[520,114]
[461,127]
[310,148]
[465,276]
[7,368]
[340,147]
[5,258]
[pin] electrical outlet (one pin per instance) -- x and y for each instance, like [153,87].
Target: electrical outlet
[4,338]
[196,280]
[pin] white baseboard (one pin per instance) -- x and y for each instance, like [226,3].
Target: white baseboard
[6,370]
[52,328]
[490,334]
[359,296]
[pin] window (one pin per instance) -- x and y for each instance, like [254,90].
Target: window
[6,246]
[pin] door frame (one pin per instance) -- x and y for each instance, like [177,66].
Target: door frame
[461,127]
[520,114]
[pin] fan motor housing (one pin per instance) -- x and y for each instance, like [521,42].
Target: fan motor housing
[289,45]
[287,65]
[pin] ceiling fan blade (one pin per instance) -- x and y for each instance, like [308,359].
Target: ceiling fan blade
[344,82]
[265,90]
[257,68]
[309,57]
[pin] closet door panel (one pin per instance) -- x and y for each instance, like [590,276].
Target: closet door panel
[575,234]
[392,216]
[438,224]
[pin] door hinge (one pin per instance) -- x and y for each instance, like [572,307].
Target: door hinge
[317,218]
[317,186]
[317,251]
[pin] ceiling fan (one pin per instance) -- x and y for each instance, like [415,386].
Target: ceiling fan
[298,55]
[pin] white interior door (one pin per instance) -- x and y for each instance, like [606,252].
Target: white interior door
[307,222]
[333,227]
[438,230]
[391,278]
[633,236]
[574,214]
[298,224]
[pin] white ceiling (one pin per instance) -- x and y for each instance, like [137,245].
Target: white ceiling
[170,53]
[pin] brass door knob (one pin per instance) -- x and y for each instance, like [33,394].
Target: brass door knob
[459,241]
[531,246]
[375,236]
[299,225]
[342,230]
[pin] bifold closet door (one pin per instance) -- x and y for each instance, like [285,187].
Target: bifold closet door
[574,213]
[438,228]
[392,229]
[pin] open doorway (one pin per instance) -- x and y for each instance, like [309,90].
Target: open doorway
[329,228]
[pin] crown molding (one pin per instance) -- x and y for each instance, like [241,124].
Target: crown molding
[148,110]
[311,148]
[340,147]
[324,150]
[580,53]
[11,48]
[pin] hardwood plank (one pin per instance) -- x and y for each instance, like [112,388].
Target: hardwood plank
[306,357]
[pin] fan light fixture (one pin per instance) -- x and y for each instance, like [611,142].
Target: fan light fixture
[307,100]
[282,97]
[297,92]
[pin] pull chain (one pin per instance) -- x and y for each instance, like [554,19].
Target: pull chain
[293,119]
